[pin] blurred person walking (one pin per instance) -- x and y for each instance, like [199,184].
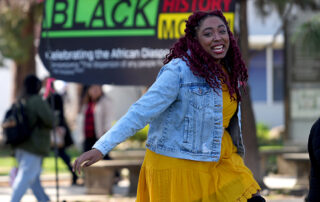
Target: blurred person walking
[30,153]
[96,116]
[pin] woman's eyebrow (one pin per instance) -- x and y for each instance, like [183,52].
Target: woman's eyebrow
[210,28]
[207,28]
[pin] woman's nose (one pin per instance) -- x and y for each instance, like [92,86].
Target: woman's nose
[216,36]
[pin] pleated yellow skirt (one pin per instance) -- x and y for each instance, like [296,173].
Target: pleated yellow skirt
[167,179]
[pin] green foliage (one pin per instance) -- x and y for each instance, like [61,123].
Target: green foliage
[12,44]
[266,7]
[17,24]
[141,135]
[270,147]
[308,35]
[264,138]
[262,133]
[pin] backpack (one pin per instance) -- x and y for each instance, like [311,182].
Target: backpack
[15,124]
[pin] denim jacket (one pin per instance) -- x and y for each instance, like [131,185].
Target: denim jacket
[185,117]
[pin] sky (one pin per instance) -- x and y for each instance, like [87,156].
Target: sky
[259,25]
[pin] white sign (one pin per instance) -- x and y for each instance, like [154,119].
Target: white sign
[305,103]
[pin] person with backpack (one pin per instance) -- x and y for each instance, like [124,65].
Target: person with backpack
[30,153]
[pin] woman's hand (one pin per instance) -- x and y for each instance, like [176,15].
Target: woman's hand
[86,159]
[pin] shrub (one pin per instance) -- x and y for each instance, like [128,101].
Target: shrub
[264,138]
[141,135]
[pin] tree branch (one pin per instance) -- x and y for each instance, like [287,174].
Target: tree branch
[283,20]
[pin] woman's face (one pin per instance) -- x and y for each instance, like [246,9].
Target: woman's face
[213,36]
[95,91]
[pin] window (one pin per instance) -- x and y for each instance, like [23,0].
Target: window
[278,75]
[257,75]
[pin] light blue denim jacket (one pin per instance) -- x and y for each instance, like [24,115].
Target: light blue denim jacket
[185,117]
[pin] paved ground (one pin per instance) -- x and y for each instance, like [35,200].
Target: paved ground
[77,193]
[67,192]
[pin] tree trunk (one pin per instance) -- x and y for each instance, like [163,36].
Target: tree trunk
[22,69]
[252,159]
[286,81]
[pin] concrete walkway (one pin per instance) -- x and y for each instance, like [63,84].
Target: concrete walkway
[77,193]
[67,192]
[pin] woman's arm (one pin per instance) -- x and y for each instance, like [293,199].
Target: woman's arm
[158,98]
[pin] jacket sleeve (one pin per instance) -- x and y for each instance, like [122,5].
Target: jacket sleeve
[156,100]
[44,113]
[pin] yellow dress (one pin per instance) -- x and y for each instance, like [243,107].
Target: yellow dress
[167,179]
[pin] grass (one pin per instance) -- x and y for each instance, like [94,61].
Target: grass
[7,162]
[270,147]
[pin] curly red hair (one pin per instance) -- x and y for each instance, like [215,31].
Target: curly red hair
[202,64]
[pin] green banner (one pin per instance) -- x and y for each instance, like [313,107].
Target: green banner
[115,41]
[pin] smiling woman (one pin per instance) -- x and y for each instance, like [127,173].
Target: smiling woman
[194,145]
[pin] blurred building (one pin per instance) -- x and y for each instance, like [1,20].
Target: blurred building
[303,83]
[266,66]
[267,75]
[266,78]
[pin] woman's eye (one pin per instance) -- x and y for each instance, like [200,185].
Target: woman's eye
[207,34]
[222,31]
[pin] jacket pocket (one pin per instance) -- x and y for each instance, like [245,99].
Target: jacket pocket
[187,142]
[186,130]
[200,96]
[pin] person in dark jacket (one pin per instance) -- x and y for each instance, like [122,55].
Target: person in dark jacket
[30,153]
[55,101]
[314,154]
